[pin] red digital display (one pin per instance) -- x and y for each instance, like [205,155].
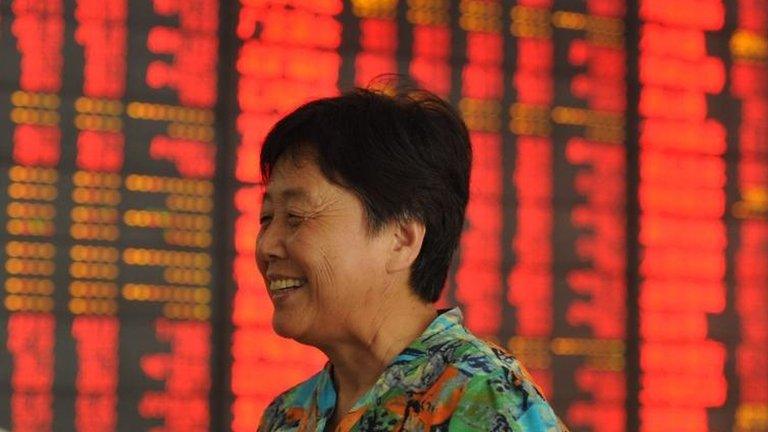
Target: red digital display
[30,343]
[97,377]
[530,282]
[593,117]
[131,298]
[76,217]
[39,31]
[749,48]
[183,402]
[597,154]
[189,69]
[478,275]
[431,46]
[378,42]
[682,201]
[103,35]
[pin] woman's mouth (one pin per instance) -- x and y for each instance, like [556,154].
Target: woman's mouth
[281,288]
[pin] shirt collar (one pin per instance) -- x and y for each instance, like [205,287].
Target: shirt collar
[441,330]
[414,370]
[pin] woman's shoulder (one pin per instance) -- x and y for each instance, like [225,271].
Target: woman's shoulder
[495,378]
[489,383]
[449,344]
[475,356]
[484,361]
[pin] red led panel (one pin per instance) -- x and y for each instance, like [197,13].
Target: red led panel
[141,201]
[38,27]
[100,151]
[96,382]
[749,73]
[601,286]
[530,279]
[478,275]
[291,59]
[30,342]
[431,49]
[39,30]
[80,241]
[102,32]
[183,401]
[596,266]
[35,145]
[682,184]
[431,46]
[541,85]
[193,45]
[378,43]
[288,56]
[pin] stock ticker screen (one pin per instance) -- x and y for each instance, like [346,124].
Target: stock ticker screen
[616,238]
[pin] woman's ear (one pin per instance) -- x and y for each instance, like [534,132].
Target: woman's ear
[407,239]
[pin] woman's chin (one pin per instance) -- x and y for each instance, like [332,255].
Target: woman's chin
[286,326]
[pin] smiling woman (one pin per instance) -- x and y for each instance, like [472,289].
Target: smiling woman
[321,265]
[363,209]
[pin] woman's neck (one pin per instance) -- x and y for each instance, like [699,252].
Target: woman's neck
[359,361]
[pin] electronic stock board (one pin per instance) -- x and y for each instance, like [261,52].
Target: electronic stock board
[616,237]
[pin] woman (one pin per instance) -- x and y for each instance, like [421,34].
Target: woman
[363,209]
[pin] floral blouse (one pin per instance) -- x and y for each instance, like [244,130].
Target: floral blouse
[446,380]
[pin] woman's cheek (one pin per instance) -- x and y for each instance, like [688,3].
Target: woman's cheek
[324,270]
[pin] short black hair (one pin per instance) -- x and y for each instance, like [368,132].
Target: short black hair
[404,152]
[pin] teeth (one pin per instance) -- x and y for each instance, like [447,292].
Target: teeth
[279,284]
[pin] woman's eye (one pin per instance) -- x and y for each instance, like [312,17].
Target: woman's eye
[265,219]
[294,219]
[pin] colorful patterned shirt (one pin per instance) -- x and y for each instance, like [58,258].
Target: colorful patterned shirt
[446,380]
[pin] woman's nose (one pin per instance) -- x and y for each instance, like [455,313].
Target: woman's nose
[270,243]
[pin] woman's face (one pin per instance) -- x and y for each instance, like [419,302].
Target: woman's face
[324,272]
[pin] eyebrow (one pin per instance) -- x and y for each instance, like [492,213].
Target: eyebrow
[288,194]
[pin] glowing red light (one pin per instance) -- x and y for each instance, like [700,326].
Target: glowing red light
[102,32]
[429,66]
[192,73]
[662,294]
[697,14]
[97,373]
[482,76]
[39,31]
[530,281]
[378,43]
[606,411]
[700,137]
[30,342]
[753,15]
[192,159]
[611,8]
[751,274]
[100,151]
[478,277]
[36,145]
[185,372]
[673,104]
[683,202]
[707,75]
[749,79]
